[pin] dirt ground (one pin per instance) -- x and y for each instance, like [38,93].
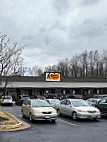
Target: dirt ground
[6,119]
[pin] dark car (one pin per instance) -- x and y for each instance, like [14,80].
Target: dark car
[21,99]
[100,96]
[102,106]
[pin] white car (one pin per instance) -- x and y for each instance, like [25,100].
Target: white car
[36,109]
[6,100]
[77,108]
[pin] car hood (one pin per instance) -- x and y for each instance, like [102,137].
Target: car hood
[44,109]
[87,108]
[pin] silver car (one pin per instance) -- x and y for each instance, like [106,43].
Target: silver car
[53,102]
[77,108]
[93,101]
[36,109]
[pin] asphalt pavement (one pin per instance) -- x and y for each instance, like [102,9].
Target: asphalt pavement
[64,130]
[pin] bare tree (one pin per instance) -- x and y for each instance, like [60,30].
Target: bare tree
[11,62]
[88,64]
[35,71]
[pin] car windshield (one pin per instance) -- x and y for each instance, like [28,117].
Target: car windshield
[40,103]
[79,103]
[54,101]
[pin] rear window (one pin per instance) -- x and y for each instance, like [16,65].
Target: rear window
[7,97]
[25,96]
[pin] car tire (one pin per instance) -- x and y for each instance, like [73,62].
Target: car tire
[95,119]
[59,112]
[74,116]
[30,117]
[23,116]
[53,120]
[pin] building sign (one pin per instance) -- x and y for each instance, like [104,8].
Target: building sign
[52,76]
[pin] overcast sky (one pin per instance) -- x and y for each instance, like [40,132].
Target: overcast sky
[54,29]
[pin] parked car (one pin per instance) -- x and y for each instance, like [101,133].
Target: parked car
[76,96]
[21,98]
[102,106]
[53,102]
[77,108]
[93,101]
[36,109]
[40,97]
[100,96]
[6,100]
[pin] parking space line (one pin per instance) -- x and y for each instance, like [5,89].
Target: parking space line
[66,122]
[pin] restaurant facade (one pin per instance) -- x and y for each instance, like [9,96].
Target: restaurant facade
[53,83]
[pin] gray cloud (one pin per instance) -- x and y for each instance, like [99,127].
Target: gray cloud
[54,29]
[89,2]
[61,5]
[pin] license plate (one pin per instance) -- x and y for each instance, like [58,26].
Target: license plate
[47,117]
[92,115]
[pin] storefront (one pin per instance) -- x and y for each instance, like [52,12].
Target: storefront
[53,83]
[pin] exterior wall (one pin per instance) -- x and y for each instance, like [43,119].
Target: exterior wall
[86,92]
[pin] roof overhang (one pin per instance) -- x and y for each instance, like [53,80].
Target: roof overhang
[55,85]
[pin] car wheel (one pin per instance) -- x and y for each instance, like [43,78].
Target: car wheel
[59,112]
[30,117]
[23,116]
[95,119]
[74,116]
[53,120]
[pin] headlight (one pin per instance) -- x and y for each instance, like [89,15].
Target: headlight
[97,111]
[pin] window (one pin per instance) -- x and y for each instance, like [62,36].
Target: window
[63,102]
[103,101]
[27,102]
[68,102]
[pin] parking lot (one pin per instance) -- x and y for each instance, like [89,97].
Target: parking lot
[65,129]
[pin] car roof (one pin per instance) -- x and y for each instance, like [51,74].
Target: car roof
[95,98]
[36,100]
[6,96]
[73,99]
[52,99]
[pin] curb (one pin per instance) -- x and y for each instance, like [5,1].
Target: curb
[19,126]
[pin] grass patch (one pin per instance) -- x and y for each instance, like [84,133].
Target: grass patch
[6,118]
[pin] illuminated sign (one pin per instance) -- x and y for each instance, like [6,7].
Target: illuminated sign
[52,76]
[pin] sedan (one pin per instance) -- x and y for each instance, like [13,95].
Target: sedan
[77,108]
[102,106]
[36,109]
[6,100]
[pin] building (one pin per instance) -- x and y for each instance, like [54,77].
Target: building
[51,83]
